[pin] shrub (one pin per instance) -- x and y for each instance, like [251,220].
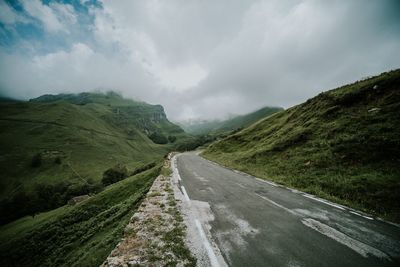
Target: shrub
[158,138]
[36,160]
[43,197]
[171,138]
[114,174]
[57,160]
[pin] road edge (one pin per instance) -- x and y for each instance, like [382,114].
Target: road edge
[307,195]
[197,216]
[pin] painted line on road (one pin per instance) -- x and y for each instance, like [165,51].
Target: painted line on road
[324,201]
[366,217]
[207,245]
[359,247]
[341,207]
[242,186]
[278,205]
[185,194]
[268,182]
[295,191]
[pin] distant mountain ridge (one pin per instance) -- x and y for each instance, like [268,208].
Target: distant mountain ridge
[147,117]
[234,123]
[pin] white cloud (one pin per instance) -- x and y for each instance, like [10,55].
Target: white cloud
[8,15]
[54,17]
[182,77]
[209,59]
[65,12]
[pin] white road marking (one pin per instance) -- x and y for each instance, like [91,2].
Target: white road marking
[294,190]
[207,245]
[359,247]
[242,186]
[366,217]
[341,207]
[185,194]
[278,205]
[175,171]
[268,182]
[210,252]
[324,201]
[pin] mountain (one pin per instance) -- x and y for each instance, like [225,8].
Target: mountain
[343,144]
[237,122]
[63,143]
[56,147]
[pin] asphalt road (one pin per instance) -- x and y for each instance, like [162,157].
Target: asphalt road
[257,223]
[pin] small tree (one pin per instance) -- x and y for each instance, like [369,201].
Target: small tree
[36,160]
[57,160]
[114,174]
[158,138]
[171,138]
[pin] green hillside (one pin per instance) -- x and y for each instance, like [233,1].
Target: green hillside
[63,144]
[80,235]
[343,144]
[218,127]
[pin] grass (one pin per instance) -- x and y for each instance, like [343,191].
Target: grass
[343,145]
[78,137]
[80,235]
[91,132]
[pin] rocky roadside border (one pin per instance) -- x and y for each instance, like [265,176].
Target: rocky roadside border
[156,233]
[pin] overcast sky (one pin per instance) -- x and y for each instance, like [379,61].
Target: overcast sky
[199,59]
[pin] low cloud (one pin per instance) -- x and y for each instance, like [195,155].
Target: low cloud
[201,59]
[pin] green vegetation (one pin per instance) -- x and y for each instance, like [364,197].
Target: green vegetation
[343,145]
[80,235]
[143,168]
[43,197]
[114,174]
[221,127]
[56,147]
[68,139]
[158,138]
[193,143]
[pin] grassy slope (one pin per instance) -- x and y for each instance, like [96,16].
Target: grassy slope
[92,136]
[80,235]
[334,145]
[215,127]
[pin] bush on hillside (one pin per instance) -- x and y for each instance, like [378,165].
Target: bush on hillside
[57,160]
[36,160]
[43,197]
[114,174]
[158,138]
[171,138]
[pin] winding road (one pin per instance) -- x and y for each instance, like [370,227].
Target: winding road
[258,223]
